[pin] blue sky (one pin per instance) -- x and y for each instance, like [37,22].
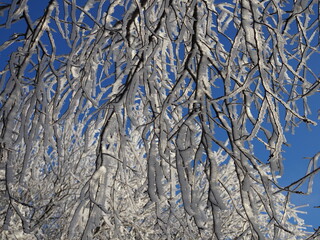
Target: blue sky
[304,143]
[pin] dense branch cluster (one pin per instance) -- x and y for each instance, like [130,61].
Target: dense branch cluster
[161,119]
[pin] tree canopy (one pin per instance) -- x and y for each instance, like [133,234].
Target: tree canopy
[161,119]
